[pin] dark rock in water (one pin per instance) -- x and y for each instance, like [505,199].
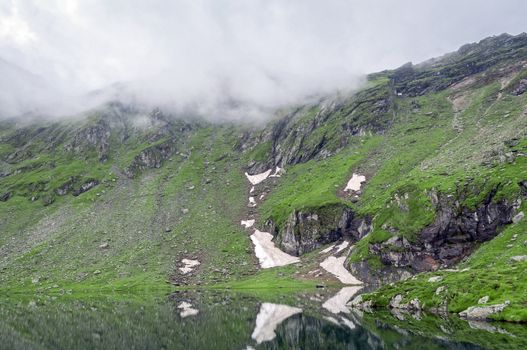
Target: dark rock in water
[86,186]
[5,196]
[305,231]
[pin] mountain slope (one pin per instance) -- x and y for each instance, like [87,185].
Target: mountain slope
[118,197]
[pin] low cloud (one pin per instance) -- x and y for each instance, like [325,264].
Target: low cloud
[233,59]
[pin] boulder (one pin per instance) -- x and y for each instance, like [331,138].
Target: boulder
[483,312]
[86,186]
[395,302]
[483,300]
[518,217]
[435,279]
[440,290]
[5,196]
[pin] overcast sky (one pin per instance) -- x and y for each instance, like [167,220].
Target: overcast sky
[201,53]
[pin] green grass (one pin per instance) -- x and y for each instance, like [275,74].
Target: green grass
[313,184]
[490,273]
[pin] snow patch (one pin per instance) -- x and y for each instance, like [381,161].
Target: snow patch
[327,250]
[252,190]
[248,223]
[337,303]
[278,172]
[335,266]
[252,202]
[342,246]
[269,317]
[189,265]
[256,179]
[267,253]
[355,183]
[187,309]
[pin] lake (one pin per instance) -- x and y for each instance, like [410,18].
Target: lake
[220,319]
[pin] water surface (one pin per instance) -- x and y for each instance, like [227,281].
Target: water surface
[317,319]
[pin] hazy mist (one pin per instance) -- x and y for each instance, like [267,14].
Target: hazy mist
[222,58]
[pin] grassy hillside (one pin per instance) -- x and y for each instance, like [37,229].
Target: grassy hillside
[115,199]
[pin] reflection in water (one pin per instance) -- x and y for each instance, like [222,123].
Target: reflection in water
[348,323]
[225,320]
[337,303]
[269,317]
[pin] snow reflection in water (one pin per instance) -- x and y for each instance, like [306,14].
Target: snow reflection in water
[269,317]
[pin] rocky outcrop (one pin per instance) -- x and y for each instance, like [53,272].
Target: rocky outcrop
[301,135]
[520,88]
[5,196]
[470,59]
[377,275]
[455,233]
[307,230]
[151,157]
[396,303]
[66,187]
[482,313]
[86,186]
[457,230]
[96,136]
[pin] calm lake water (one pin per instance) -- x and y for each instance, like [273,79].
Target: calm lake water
[225,320]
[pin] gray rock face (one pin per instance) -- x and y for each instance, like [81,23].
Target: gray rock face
[518,258]
[453,235]
[95,136]
[482,312]
[521,88]
[306,231]
[456,229]
[396,303]
[518,217]
[151,157]
[470,59]
[67,187]
[296,139]
[86,186]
